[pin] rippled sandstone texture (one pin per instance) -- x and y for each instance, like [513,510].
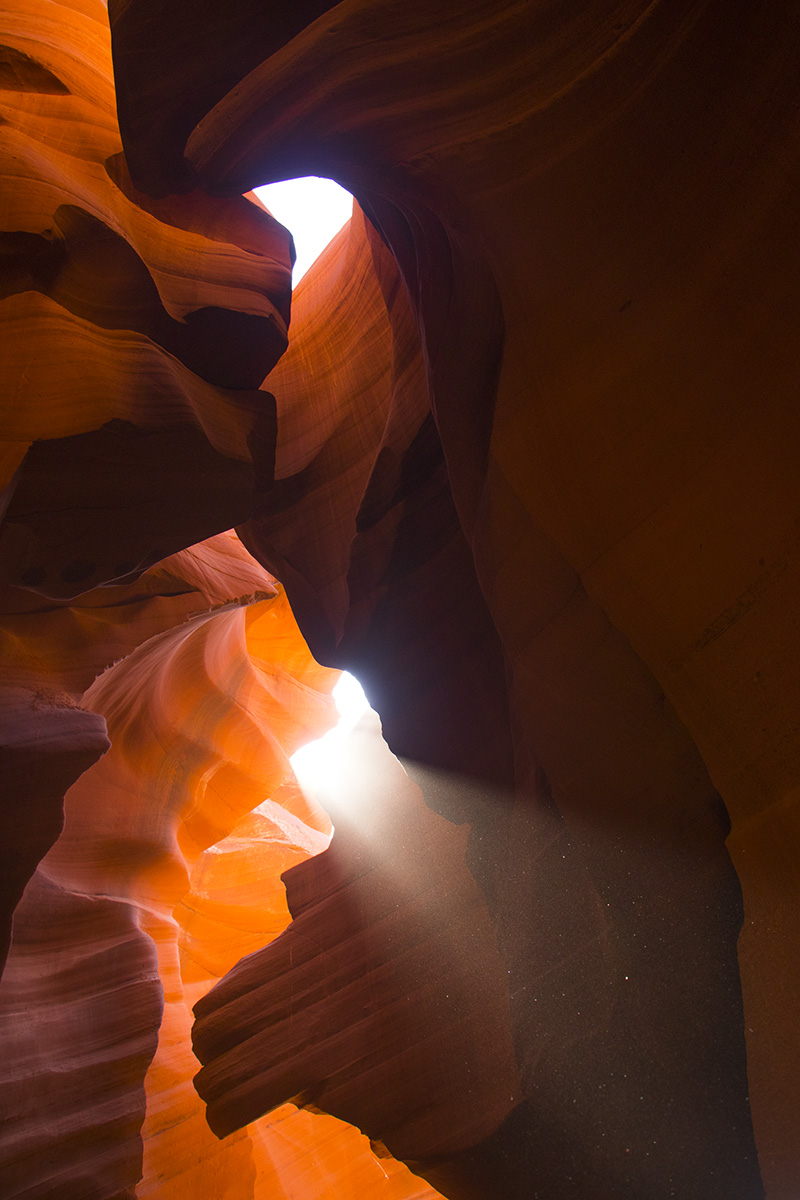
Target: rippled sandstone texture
[136,334]
[530,472]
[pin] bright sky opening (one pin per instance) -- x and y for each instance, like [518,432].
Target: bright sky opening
[313,209]
[313,761]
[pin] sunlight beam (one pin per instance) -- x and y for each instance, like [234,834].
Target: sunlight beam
[314,762]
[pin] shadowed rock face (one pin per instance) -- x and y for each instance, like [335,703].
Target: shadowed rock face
[47,742]
[527,467]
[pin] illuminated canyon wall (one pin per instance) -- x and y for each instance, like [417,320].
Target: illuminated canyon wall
[521,452]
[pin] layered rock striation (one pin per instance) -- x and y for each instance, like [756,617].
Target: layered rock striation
[527,467]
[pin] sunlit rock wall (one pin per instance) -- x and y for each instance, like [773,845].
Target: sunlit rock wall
[530,471]
[136,334]
[603,198]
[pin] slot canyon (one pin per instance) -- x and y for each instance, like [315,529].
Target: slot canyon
[521,452]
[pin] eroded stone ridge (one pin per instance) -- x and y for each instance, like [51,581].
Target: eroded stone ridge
[528,467]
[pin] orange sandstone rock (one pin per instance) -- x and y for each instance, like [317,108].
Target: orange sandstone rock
[389,968]
[531,469]
[549,209]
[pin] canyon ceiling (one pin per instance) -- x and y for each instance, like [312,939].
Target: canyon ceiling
[521,452]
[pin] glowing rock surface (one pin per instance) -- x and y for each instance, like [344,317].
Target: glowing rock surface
[528,467]
[112,303]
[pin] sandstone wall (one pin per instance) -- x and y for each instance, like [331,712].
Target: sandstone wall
[528,467]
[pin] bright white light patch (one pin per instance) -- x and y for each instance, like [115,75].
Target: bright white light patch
[313,209]
[313,761]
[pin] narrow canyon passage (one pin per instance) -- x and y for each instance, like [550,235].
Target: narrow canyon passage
[519,451]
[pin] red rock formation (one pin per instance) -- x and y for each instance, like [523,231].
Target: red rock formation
[136,334]
[80,1006]
[529,471]
[388,971]
[46,742]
